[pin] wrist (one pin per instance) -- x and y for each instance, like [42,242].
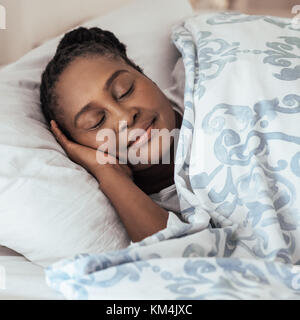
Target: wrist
[101,170]
[111,172]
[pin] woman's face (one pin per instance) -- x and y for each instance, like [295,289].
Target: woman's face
[96,93]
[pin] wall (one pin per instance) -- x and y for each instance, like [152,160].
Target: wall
[37,20]
[267,7]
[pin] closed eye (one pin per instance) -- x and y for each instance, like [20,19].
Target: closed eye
[98,124]
[103,119]
[128,92]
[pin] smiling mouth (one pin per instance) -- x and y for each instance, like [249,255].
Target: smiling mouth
[145,137]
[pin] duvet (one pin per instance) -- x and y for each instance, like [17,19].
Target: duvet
[237,173]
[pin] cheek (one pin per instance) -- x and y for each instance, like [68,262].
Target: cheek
[106,142]
[166,112]
[167,115]
[87,139]
[171,118]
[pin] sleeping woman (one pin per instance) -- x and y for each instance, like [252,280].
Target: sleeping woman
[90,85]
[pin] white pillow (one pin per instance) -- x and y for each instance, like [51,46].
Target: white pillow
[51,208]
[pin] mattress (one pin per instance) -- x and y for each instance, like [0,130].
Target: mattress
[21,279]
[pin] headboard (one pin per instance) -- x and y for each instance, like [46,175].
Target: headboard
[30,22]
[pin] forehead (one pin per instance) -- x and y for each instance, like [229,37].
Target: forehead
[83,77]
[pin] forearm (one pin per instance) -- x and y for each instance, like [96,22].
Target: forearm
[140,215]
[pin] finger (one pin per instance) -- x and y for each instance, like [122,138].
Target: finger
[54,126]
[61,138]
[105,158]
[55,129]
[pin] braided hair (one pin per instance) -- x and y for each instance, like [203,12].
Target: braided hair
[80,42]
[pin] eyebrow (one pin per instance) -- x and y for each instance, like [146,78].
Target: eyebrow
[106,87]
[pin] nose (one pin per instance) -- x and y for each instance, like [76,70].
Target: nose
[125,118]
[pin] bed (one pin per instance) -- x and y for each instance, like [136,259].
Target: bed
[21,278]
[232,243]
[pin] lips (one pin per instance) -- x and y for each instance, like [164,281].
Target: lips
[146,126]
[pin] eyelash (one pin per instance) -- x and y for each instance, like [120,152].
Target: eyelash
[128,92]
[124,95]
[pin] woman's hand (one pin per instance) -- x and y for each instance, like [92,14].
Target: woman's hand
[140,215]
[87,157]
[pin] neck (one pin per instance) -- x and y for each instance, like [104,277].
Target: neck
[158,176]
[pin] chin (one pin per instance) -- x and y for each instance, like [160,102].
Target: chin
[161,157]
[140,167]
[143,162]
[146,156]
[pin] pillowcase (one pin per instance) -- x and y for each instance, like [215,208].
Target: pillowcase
[50,207]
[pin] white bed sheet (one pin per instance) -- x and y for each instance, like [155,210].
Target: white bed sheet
[23,279]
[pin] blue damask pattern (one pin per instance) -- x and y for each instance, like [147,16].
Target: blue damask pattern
[280,53]
[235,17]
[237,174]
